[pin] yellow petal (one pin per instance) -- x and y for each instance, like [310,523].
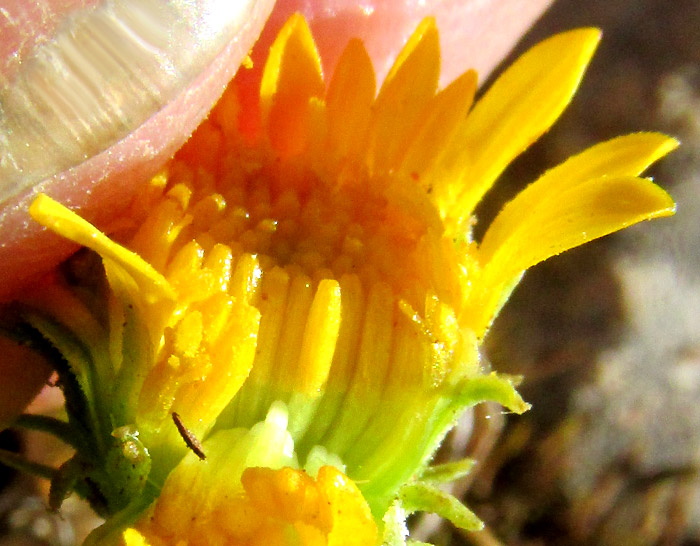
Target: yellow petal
[133,538]
[293,63]
[349,100]
[521,105]
[292,77]
[352,309]
[320,338]
[275,286]
[287,494]
[438,125]
[628,155]
[352,523]
[299,300]
[407,90]
[578,215]
[370,370]
[66,223]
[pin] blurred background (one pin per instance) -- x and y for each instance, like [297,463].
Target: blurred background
[607,336]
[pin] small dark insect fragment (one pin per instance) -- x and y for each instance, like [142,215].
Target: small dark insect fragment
[189,438]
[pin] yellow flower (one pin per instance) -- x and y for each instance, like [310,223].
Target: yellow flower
[309,295]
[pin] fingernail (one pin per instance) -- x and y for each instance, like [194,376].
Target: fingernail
[104,72]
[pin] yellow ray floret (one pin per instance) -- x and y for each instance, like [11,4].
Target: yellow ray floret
[64,222]
[521,105]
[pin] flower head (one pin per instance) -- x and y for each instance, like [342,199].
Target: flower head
[305,293]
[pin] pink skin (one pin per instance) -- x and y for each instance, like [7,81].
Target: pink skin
[474,34]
